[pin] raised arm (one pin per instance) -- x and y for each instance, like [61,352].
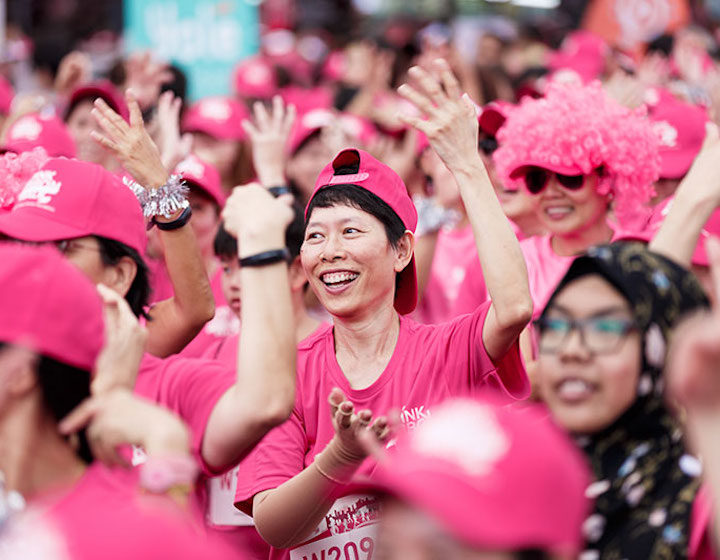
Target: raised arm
[264,393]
[450,123]
[695,200]
[175,321]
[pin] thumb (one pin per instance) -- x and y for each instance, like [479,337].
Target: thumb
[79,417]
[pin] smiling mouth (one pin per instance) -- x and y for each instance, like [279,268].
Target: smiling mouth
[558,212]
[574,390]
[338,279]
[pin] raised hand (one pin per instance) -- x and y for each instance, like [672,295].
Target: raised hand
[269,134]
[256,219]
[119,418]
[75,69]
[349,426]
[130,142]
[119,361]
[173,146]
[693,369]
[145,76]
[450,117]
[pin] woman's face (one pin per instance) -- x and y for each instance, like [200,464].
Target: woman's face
[231,283]
[223,154]
[444,186]
[204,221]
[587,391]
[565,212]
[349,261]
[80,124]
[306,164]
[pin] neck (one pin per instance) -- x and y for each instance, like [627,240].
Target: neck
[529,225]
[34,458]
[580,241]
[304,324]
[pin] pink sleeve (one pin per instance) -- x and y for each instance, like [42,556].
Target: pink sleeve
[191,388]
[701,546]
[508,375]
[277,458]
[472,291]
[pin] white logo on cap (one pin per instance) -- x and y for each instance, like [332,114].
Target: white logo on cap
[27,128]
[215,109]
[41,187]
[467,434]
[191,166]
[666,133]
[318,118]
[257,73]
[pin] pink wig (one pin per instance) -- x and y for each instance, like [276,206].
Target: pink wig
[579,127]
[15,170]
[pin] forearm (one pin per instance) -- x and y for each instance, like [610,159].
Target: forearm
[502,261]
[424,255]
[287,515]
[704,428]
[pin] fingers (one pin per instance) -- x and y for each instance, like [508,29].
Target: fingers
[109,120]
[344,415]
[289,121]
[104,141]
[427,85]
[79,417]
[136,119]
[372,444]
[449,81]
[417,99]
[261,115]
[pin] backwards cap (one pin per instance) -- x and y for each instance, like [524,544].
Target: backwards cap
[68,198]
[218,117]
[493,477]
[49,306]
[377,178]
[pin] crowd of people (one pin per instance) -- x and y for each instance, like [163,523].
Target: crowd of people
[395,301]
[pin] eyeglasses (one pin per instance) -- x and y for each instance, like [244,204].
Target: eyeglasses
[537,178]
[599,335]
[488,145]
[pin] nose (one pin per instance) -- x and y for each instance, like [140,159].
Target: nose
[234,281]
[574,346]
[333,249]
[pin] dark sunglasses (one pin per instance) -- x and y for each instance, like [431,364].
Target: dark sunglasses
[537,178]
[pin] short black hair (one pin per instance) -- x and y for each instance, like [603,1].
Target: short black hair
[225,245]
[63,388]
[362,199]
[138,296]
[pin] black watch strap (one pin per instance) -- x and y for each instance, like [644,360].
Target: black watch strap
[266,258]
[177,223]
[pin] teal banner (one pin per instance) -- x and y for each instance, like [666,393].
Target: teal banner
[206,38]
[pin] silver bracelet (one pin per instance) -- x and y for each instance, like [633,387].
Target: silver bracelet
[164,201]
[432,217]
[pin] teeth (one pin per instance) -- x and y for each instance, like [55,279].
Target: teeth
[574,388]
[558,211]
[338,277]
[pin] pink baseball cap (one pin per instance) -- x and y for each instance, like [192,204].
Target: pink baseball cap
[35,130]
[255,77]
[680,126]
[69,198]
[6,96]
[307,124]
[103,89]
[376,177]
[494,477]
[204,176]
[307,100]
[49,306]
[582,52]
[219,117]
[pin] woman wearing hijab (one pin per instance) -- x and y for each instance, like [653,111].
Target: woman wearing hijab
[602,343]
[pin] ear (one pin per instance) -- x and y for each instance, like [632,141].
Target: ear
[17,370]
[404,250]
[120,275]
[297,275]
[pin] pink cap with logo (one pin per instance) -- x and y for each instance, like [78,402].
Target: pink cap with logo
[202,175]
[357,129]
[680,127]
[68,198]
[35,130]
[376,177]
[494,477]
[49,306]
[219,117]
[255,77]
[103,89]
[582,52]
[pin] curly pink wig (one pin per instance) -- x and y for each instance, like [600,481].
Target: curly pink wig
[579,127]
[15,170]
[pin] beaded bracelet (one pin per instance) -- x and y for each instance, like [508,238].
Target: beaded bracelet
[164,201]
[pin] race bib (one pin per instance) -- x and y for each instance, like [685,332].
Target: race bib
[347,532]
[221,496]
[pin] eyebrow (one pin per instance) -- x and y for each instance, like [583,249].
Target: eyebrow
[339,222]
[599,313]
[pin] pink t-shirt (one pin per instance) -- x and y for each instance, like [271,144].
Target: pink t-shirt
[545,269]
[106,515]
[430,363]
[454,252]
[701,539]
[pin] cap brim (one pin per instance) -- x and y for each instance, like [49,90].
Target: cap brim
[406,294]
[36,229]
[206,126]
[676,163]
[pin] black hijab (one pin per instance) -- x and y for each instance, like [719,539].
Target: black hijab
[645,482]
